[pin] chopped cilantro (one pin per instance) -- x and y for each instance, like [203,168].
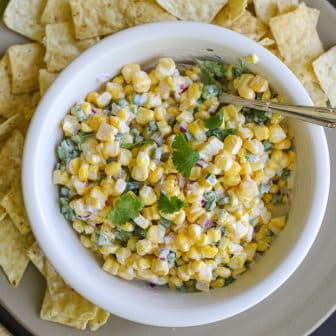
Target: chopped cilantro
[170,205]
[123,236]
[268,146]
[264,188]
[210,91]
[229,281]
[219,133]
[165,223]
[285,173]
[184,157]
[239,68]
[132,145]
[127,207]
[80,137]
[215,121]
[256,116]
[171,257]
[251,158]
[66,211]
[133,185]
[67,150]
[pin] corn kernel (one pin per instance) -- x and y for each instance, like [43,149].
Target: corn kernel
[128,71]
[113,168]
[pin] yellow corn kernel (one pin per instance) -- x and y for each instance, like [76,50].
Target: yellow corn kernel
[246,92]
[86,108]
[93,172]
[111,265]
[194,232]
[78,226]
[214,235]
[251,59]
[259,84]
[276,118]
[128,227]
[111,149]
[237,261]
[182,242]
[60,177]
[128,71]
[170,185]
[143,263]
[224,161]
[175,281]
[173,110]
[230,180]
[139,173]
[147,195]
[248,189]
[277,134]
[266,95]
[160,267]
[103,99]
[122,254]
[194,213]
[70,125]
[143,246]
[159,113]
[209,251]
[232,144]
[151,213]
[156,233]
[144,116]
[277,224]
[113,168]
[195,173]
[284,144]
[155,175]
[166,67]
[182,273]
[141,81]
[246,169]
[86,241]
[242,81]
[118,79]
[125,157]
[116,90]
[223,272]
[126,273]
[205,274]
[250,250]
[262,245]
[218,283]
[254,146]
[85,127]
[261,132]
[83,172]
[96,120]
[92,97]
[131,244]
[193,253]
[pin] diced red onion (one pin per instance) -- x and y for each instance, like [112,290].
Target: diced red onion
[152,285]
[212,109]
[181,181]
[183,88]
[202,164]
[94,110]
[183,127]
[163,254]
[203,202]
[207,223]
[168,239]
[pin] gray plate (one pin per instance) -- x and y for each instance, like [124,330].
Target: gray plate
[296,308]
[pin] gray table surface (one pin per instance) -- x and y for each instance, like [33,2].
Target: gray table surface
[328,328]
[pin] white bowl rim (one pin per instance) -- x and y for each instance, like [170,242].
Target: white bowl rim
[149,315]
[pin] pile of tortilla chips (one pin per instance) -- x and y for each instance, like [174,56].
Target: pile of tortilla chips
[60,30]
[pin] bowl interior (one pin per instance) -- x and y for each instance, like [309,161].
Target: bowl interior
[134,300]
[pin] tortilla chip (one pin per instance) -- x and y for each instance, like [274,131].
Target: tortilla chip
[237,8]
[223,18]
[99,320]
[56,11]
[36,256]
[250,26]
[306,75]
[3,213]
[10,104]
[296,35]
[285,6]
[23,16]
[140,12]
[325,70]
[63,305]
[14,206]
[13,248]
[267,42]
[10,161]
[193,10]
[7,126]
[62,47]
[45,80]
[265,9]
[25,61]
[95,17]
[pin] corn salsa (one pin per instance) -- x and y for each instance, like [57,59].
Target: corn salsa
[165,186]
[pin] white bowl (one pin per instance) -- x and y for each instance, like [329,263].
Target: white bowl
[132,299]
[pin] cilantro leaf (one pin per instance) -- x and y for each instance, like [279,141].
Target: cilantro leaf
[132,145]
[170,205]
[256,116]
[184,157]
[219,133]
[67,150]
[215,121]
[127,207]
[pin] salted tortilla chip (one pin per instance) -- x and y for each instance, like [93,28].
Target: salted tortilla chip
[63,305]
[95,17]
[140,12]
[25,61]
[99,320]
[10,161]
[61,45]
[237,8]
[13,248]
[14,206]
[7,126]
[306,75]
[193,10]
[296,35]
[267,42]
[223,18]
[250,26]
[23,16]
[285,6]
[36,256]
[10,104]
[265,9]
[56,11]
[325,70]
[45,80]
